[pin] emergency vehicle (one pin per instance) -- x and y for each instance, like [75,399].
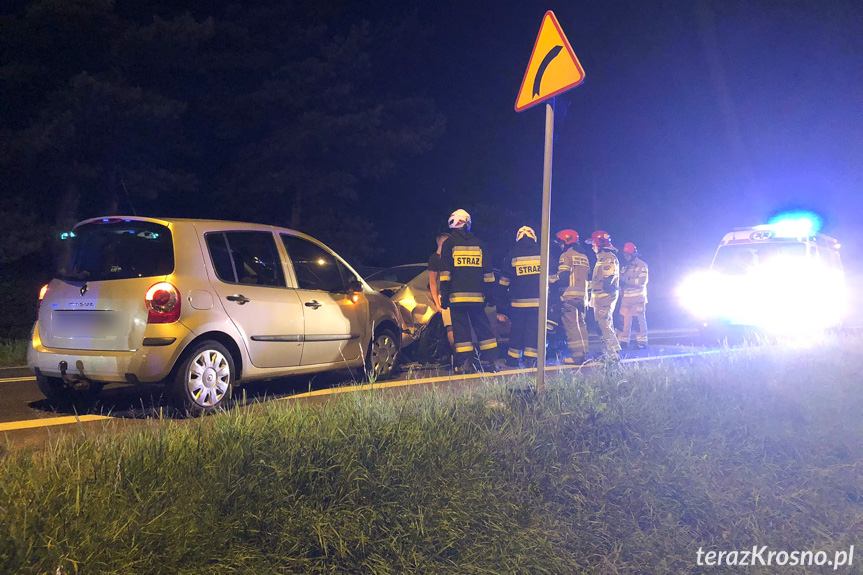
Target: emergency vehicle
[780,278]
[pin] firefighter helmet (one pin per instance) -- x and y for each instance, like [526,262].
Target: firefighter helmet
[630,248]
[525,231]
[459,219]
[567,236]
[600,239]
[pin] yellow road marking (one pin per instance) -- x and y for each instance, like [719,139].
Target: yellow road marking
[17,379]
[66,420]
[49,421]
[425,380]
[467,377]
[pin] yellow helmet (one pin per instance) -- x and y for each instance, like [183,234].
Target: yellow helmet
[525,231]
[459,219]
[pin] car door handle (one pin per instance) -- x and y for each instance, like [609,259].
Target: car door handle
[314,304]
[239,298]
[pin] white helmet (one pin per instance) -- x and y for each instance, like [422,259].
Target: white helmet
[459,219]
[525,231]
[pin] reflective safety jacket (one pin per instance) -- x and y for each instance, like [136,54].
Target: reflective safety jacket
[606,274]
[466,276]
[572,271]
[633,280]
[520,274]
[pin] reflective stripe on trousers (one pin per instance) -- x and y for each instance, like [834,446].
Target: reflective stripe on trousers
[629,313]
[572,316]
[523,336]
[469,318]
[603,308]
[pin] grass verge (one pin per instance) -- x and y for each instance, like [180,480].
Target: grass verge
[625,471]
[13,352]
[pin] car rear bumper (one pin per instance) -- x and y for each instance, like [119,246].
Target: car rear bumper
[150,363]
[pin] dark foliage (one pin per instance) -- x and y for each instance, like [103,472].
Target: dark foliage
[272,111]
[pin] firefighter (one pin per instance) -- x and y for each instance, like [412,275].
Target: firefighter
[633,282]
[434,286]
[604,288]
[466,284]
[572,271]
[520,278]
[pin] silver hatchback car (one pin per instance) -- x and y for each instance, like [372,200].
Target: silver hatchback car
[202,305]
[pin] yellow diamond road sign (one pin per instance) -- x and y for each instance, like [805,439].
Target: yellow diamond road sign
[553,67]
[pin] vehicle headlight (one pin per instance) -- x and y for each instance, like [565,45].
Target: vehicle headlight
[701,294]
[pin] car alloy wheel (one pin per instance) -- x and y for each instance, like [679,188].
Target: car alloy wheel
[208,378]
[383,354]
[204,379]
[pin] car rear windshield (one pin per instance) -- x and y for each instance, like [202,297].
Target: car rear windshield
[116,249]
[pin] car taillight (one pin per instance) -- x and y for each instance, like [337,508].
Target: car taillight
[163,303]
[42,293]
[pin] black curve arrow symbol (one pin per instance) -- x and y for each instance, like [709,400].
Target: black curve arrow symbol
[552,54]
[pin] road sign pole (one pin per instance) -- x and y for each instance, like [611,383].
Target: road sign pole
[551,70]
[544,246]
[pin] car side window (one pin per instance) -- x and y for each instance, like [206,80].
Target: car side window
[221,258]
[830,257]
[248,258]
[316,268]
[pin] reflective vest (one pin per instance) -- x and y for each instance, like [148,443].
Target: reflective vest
[520,274]
[575,263]
[633,280]
[606,274]
[466,274]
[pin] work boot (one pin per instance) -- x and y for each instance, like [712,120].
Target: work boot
[464,368]
[488,367]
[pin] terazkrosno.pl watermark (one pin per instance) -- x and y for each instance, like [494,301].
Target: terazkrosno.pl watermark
[762,555]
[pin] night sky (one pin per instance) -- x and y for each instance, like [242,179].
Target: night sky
[694,118]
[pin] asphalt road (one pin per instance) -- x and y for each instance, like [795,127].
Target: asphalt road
[28,419]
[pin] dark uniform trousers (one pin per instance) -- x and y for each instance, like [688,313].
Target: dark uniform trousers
[523,335]
[465,317]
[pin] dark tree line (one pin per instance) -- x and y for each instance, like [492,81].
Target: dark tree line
[277,111]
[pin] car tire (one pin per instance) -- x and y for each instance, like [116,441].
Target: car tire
[383,354]
[432,345]
[204,378]
[55,389]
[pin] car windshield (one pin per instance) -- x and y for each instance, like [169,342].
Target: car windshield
[398,274]
[116,249]
[741,258]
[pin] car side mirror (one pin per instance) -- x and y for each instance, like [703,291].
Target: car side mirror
[355,286]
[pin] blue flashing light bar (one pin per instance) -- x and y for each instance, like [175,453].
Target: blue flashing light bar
[793,225]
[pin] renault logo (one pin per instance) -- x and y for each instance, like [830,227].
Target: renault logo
[761,235]
[83,290]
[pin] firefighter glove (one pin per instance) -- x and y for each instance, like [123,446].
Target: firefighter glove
[489,298]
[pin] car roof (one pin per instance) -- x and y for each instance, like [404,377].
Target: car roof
[218,225]
[746,236]
[198,221]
